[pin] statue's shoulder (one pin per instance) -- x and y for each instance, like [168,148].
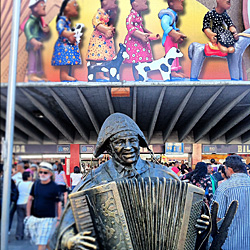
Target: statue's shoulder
[95,177]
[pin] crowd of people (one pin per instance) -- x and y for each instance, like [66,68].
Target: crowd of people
[224,183]
[38,192]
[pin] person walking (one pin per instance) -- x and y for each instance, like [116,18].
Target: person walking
[24,188]
[45,214]
[61,181]
[213,179]
[34,169]
[200,178]
[16,179]
[55,165]
[184,168]
[75,177]
[223,175]
[237,187]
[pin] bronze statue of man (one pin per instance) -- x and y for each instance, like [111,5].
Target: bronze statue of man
[121,138]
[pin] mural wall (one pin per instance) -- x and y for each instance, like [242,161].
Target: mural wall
[190,22]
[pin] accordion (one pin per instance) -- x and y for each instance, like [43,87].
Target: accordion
[140,214]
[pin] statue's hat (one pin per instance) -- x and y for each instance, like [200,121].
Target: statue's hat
[114,124]
[33,2]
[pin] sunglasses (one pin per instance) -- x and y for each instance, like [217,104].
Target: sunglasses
[43,172]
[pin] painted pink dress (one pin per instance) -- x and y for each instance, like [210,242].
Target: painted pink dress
[138,51]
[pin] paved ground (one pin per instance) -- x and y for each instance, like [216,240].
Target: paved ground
[14,244]
[18,244]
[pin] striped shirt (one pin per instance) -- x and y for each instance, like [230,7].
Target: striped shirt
[237,187]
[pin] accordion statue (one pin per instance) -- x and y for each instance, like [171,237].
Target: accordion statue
[130,203]
[140,214]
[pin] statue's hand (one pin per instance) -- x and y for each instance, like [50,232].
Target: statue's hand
[236,36]
[177,36]
[212,36]
[45,29]
[109,32]
[234,33]
[144,37]
[71,37]
[82,241]
[213,39]
[36,44]
[202,223]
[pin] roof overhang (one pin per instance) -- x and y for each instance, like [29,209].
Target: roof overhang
[192,112]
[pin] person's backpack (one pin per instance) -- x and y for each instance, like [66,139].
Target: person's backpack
[14,192]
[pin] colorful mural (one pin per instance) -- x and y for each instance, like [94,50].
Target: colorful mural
[190,23]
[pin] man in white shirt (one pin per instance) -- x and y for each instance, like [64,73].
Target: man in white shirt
[24,188]
[18,176]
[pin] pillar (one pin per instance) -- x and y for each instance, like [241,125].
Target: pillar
[197,153]
[72,161]
[74,156]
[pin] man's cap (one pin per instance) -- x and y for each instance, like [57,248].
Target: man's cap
[115,124]
[33,165]
[46,165]
[33,2]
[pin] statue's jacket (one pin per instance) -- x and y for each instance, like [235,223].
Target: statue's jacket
[107,172]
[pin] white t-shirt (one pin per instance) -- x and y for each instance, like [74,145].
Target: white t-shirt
[18,177]
[76,177]
[24,188]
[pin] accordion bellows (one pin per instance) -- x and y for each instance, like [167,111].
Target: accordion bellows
[140,214]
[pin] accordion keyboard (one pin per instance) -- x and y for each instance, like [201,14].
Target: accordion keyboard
[141,214]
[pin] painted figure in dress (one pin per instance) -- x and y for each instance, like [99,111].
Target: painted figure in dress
[35,30]
[219,28]
[101,45]
[66,51]
[137,40]
[171,34]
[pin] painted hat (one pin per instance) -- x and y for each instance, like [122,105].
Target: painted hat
[33,2]
[114,124]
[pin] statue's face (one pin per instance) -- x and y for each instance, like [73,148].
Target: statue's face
[109,5]
[224,4]
[176,5]
[39,9]
[140,5]
[71,10]
[125,148]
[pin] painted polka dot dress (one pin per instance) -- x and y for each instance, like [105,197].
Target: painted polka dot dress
[65,53]
[138,50]
[219,24]
[100,48]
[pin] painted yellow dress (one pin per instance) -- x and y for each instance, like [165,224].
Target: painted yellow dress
[100,48]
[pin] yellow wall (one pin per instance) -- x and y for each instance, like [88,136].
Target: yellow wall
[190,23]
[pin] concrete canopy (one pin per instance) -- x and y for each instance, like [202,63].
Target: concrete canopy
[192,112]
